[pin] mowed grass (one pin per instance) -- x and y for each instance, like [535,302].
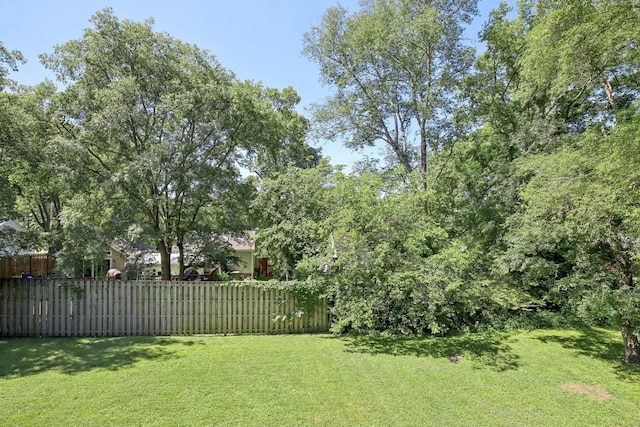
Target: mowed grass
[537,378]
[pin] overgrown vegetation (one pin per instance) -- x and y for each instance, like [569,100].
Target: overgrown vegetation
[508,195]
[515,200]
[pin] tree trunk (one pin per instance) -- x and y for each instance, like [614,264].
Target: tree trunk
[626,282]
[165,259]
[423,169]
[631,345]
[181,260]
[423,161]
[400,149]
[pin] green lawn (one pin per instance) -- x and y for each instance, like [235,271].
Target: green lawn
[540,378]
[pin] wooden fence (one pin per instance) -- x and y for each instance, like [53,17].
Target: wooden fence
[56,308]
[40,265]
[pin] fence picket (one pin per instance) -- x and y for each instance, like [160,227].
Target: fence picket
[158,304]
[206,308]
[218,328]
[24,302]
[4,306]
[190,314]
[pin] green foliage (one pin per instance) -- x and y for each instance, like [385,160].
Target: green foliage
[158,130]
[31,163]
[388,267]
[292,206]
[12,241]
[304,298]
[534,216]
[537,319]
[395,66]
[380,238]
[223,277]
[573,242]
[9,60]
[581,56]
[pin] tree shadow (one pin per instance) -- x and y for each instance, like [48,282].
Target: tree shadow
[599,344]
[30,356]
[485,350]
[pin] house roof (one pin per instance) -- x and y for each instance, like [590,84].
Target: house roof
[9,245]
[244,242]
[9,223]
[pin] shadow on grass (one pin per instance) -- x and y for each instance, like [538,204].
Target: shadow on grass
[599,344]
[486,350]
[30,356]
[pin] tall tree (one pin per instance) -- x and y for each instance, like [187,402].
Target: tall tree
[159,123]
[9,60]
[32,161]
[8,123]
[9,132]
[575,229]
[395,66]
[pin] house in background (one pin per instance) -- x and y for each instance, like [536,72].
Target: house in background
[250,266]
[114,258]
[151,266]
[144,264]
[244,248]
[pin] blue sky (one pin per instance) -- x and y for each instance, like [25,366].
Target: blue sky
[259,40]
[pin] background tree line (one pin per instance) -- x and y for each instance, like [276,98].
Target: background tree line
[149,143]
[508,196]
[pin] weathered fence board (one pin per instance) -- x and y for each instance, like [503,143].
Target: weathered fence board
[39,265]
[120,308]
